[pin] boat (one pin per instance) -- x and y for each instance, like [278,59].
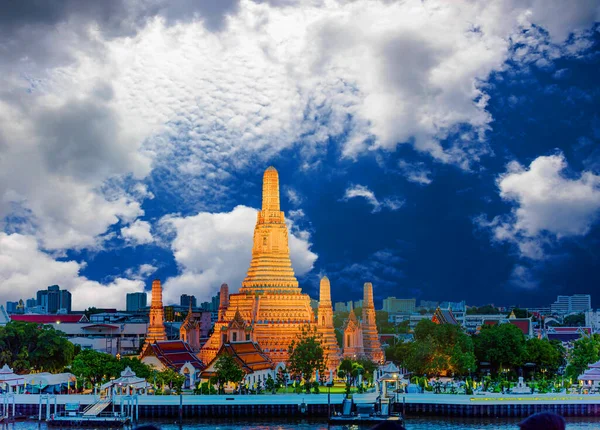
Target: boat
[365,413]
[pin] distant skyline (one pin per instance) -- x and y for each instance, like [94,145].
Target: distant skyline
[441,150]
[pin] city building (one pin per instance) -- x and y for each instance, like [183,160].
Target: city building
[31,303]
[454,306]
[53,299]
[4,318]
[343,306]
[574,303]
[392,305]
[184,301]
[428,304]
[592,319]
[136,301]
[11,307]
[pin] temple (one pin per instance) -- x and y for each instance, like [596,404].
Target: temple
[270,303]
[156,329]
[325,327]
[361,339]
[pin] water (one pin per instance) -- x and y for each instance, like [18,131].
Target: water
[416,423]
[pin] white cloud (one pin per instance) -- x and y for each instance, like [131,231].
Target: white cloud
[415,172]
[293,196]
[392,203]
[213,248]
[137,233]
[548,204]
[25,269]
[522,277]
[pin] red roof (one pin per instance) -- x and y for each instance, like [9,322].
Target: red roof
[49,319]
[522,323]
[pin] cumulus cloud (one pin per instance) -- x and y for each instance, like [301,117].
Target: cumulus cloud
[548,204]
[392,203]
[25,269]
[213,248]
[137,233]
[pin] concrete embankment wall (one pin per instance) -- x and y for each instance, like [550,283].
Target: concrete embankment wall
[316,405]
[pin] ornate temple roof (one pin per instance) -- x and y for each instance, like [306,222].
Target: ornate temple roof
[174,354]
[444,316]
[247,354]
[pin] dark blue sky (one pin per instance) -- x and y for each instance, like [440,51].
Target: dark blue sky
[440,150]
[431,248]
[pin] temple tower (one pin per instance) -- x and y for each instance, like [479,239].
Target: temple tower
[372,345]
[156,328]
[190,330]
[325,326]
[223,300]
[353,338]
[270,302]
[270,267]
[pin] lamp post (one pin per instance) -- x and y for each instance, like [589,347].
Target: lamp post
[329,384]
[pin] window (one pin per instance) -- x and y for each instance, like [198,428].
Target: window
[225,338]
[234,337]
[348,340]
[247,336]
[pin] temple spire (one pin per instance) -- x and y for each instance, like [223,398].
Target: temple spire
[270,197]
[271,267]
[156,328]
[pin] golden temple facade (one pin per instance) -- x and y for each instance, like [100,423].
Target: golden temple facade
[270,301]
[270,305]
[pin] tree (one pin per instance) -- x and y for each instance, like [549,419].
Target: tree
[227,370]
[94,367]
[545,354]
[306,354]
[169,377]
[28,346]
[500,345]
[519,313]
[585,351]
[576,320]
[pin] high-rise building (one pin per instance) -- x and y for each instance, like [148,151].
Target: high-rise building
[574,303]
[393,305]
[54,299]
[136,301]
[184,301]
[428,304]
[340,307]
[31,303]
[65,300]
[454,306]
[11,307]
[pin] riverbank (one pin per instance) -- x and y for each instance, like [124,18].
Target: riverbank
[492,405]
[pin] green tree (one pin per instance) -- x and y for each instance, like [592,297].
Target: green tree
[519,313]
[28,346]
[548,355]
[439,349]
[576,320]
[94,367]
[227,370]
[306,354]
[501,345]
[585,351]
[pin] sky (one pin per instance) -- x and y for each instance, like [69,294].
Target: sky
[441,150]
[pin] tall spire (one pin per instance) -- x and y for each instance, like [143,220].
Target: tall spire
[270,197]
[156,328]
[326,328]
[372,345]
[324,292]
[223,300]
[271,267]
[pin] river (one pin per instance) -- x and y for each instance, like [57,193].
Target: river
[412,423]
